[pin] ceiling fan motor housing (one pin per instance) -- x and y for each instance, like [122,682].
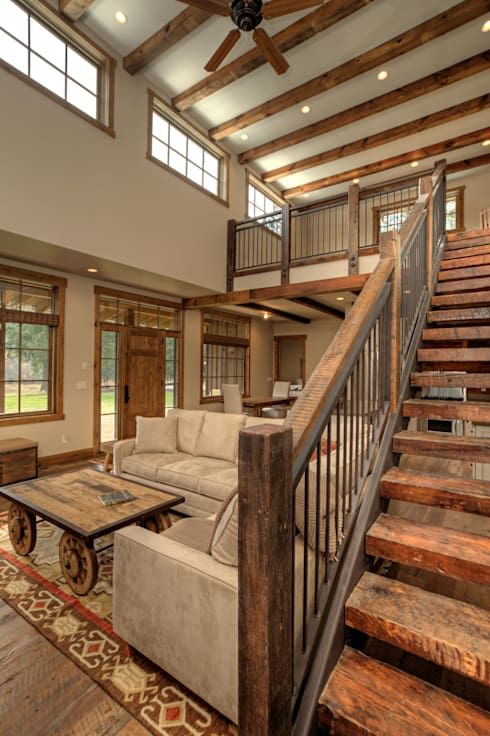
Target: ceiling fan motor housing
[246,14]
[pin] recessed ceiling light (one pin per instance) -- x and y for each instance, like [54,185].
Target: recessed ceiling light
[244,137]
[382,75]
[305,109]
[486,26]
[340,298]
[92,269]
[121,17]
[355,181]
[267,315]
[486,143]
[414,164]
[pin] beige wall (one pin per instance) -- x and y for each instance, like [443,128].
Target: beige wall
[476,194]
[319,335]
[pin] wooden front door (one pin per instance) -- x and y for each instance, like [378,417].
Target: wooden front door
[143,390]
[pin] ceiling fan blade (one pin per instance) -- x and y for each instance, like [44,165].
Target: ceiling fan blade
[276,8]
[213,7]
[267,46]
[222,51]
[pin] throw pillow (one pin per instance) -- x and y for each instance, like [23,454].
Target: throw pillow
[224,542]
[156,434]
[189,429]
[219,436]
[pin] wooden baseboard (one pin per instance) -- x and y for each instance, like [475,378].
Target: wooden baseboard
[66,457]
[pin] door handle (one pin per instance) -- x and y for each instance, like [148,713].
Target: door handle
[126,394]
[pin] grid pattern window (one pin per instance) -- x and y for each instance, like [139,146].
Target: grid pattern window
[137,314]
[31,323]
[38,49]
[455,209]
[393,218]
[172,373]
[225,354]
[184,154]
[109,385]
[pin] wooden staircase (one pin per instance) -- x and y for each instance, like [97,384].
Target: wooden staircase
[364,696]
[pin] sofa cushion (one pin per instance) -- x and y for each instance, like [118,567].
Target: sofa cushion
[219,484]
[146,465]
[186,473]
[156,434]
[256,421]
[224,544]
[189,428]
[219,436]
[196,533]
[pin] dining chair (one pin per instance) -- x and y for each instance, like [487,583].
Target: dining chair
[280,390]
[232,398]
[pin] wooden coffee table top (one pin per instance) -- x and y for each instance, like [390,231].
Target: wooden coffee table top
[71,501]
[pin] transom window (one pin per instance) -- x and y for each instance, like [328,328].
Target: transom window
[184,152]
[225,353]
[31,324]
[35,46]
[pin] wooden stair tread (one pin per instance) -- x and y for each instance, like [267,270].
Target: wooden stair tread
[464,273]
[471,411]
[467,251]
[451,263]
[470,332]
[453,355]
[457,300]
[457,554]
[475,284]
[448,632]
[472,237]
[450,379]
[444,491]
[364,697]
[442,444]
[475,314]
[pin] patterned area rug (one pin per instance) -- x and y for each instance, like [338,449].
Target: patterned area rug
[81,628]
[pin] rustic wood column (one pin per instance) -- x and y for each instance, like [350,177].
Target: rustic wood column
[285,244]
[353,231]
[230,255]
[389,247]
[425,187]
[265,573]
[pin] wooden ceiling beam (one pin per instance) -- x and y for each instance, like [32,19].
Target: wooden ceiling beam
[307,301]
[455,112]
[171,33]
[435,27]
[468,163]
[442,78]
[286,291]
[74,9]
[461,141]
[278,313]
[297,33]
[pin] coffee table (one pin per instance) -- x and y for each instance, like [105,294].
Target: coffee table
[71,501]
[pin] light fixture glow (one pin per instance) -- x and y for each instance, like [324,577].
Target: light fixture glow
[355,181]
[486,143]
[306,194]
[267,315]
[121,17]
[340,299]
[244,137]
[92,269]
[486,26]
[414,164]
[305,109]
[382,75]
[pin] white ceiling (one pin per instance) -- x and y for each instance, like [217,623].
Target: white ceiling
[182,66]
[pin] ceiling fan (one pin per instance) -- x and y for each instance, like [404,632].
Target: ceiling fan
[247,15]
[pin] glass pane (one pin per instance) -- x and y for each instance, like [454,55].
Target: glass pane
[108,424]
[13,53]
[33,396]
[108,373]
[195,153]
[160,127]
[10,295]
[109,311]
[178,141]
[82,71]
[159,150]
[35,336]
[12,334]
[47,75]
[34,365]
[108,344]
[36,299]
[11,398]
[14,20]
[177,162]
[211,164]
[259,200]
[210,183]
[47,45]
[11,365]
[80,98]
[108,400]
[168,321]
[194,173]
[147,317]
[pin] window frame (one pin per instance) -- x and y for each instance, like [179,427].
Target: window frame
[158,105]
[252,180]
[82,44]
[459,196]
[56,380]
[228,341]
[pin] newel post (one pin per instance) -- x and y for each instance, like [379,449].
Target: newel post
[285,243]
[230,254]
[353,229]
[265,576]
[425,187]
[390,247]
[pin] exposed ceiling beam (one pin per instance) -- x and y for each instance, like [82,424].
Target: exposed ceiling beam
[468,163]
[286,291]
[456,112]
[170,34]
[74,9]
[442,78]
[278,313]
[303,29]
[435,27]
[461,141]
[306,301]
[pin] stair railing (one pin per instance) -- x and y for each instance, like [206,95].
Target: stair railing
[309,490]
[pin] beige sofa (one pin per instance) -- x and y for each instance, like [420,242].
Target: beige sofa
[204,467]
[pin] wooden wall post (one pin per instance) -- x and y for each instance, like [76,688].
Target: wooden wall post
[389,247]
[285,243]
[230,255]
[265,577]
[353,231]
[425,187]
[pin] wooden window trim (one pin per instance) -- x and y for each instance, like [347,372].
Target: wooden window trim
[277,341]
[378,210]
[56,414]
[77,38]
[238,342]
[192,131]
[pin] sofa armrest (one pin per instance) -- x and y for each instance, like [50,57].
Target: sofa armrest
[121,449]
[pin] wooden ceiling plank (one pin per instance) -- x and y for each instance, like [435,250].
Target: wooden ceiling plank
[278,313]
[286,291]
[307,301]
[455,112]
[74,9]
[435,27]
[461,141]
[297,33]
[170,34]
[451,74]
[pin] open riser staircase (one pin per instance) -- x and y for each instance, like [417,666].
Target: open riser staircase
[364,696]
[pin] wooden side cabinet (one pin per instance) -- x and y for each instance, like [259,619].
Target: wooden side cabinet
[18,460]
